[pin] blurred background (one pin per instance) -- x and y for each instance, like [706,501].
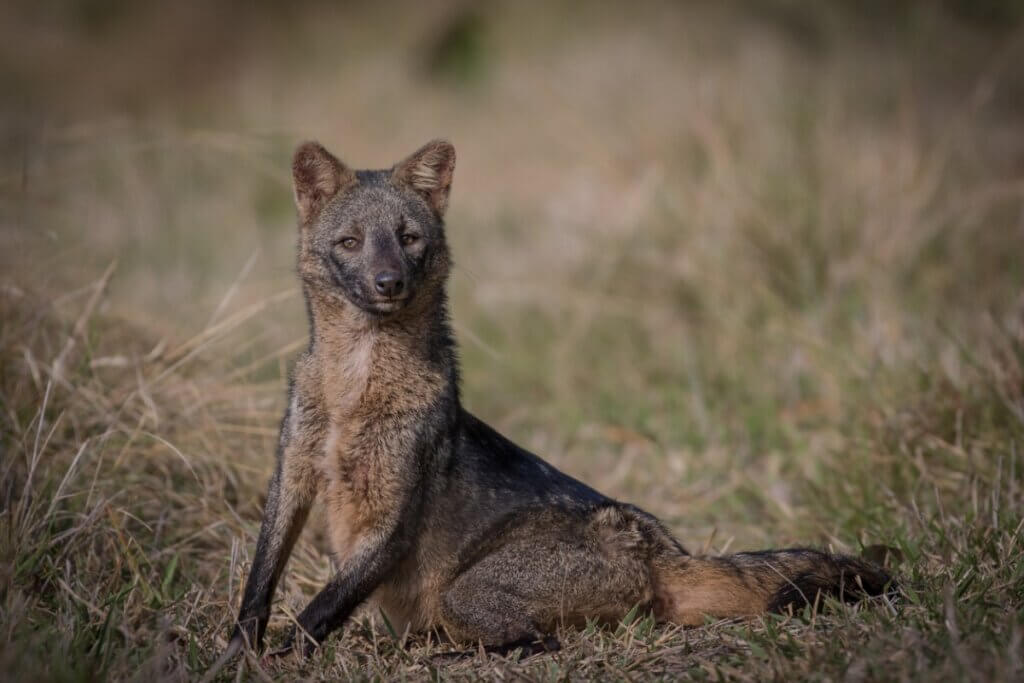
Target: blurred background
[755,265]
[693,221]
[681,228]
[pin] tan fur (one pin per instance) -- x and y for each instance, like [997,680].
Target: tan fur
[365,376]
[409,597]
[692,590]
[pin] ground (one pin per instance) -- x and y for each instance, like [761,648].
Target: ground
[754,267]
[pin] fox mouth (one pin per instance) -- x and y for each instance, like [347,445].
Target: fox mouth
[386,306]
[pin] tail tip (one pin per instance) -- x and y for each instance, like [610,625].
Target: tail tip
[843,578]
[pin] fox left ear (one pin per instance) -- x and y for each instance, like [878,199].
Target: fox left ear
[429,172]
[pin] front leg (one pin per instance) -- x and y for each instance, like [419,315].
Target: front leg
[372,555]
[291,493]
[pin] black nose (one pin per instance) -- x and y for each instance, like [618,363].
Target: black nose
[389,283]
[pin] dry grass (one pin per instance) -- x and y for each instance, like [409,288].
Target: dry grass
[756,269]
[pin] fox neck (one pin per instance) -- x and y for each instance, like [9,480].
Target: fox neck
[357,348]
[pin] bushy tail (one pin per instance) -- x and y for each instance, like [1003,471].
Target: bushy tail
[688,589]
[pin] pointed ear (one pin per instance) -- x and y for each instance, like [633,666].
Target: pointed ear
[317,176]
[429,172]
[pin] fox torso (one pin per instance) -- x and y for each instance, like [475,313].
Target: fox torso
[376,396]
[439,520]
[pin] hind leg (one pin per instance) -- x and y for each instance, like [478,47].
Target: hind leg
[548,573]
[478,609]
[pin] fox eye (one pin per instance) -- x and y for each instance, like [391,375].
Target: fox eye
[349,242]
[408,238]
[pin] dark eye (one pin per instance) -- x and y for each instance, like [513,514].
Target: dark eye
[349,242]
[408,238]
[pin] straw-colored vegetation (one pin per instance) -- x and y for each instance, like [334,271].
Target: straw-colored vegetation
[755,268]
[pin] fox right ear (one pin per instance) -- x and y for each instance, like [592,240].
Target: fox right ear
[317,176]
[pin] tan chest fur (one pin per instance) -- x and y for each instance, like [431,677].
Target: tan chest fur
[372,389]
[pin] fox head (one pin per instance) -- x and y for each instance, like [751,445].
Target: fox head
[373,239]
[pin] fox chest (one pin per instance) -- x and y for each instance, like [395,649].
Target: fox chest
[371,437]
[367,397]
[364,467]
[361,459]
[370,457]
